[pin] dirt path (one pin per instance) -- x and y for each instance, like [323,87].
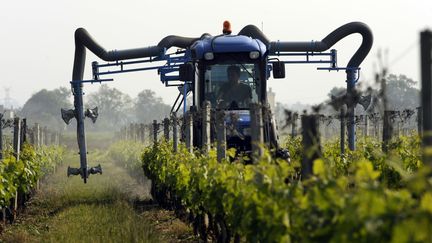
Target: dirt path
[67,210]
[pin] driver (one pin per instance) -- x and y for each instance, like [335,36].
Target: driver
[234,92]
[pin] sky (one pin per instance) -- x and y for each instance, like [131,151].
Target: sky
[37,44]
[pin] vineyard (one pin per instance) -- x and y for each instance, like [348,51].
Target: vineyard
[363,196]
[239,156]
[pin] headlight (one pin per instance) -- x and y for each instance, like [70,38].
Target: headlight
[254,54]
[209,56]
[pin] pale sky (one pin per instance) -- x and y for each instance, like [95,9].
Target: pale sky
[37,44]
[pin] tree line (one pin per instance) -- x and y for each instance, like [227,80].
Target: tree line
[115,108]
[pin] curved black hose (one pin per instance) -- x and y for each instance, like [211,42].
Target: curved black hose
[254,32]
[177,41]
[83,40]
[330,40]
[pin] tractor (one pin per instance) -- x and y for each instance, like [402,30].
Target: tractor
[229,71]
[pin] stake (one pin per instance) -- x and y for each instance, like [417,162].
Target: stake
[387,130]
[221,134]
[426,92]
[257,137]
[206,132]
[175,131]
[189,131]
[311,144]
[342,130]
[166,125]
[17,137]
[155,131]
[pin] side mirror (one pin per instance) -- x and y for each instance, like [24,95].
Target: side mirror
[186,72]
[278,70]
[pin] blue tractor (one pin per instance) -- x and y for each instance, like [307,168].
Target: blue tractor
[229,71]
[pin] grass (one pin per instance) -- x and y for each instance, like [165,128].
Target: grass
[94,140]
[67,210]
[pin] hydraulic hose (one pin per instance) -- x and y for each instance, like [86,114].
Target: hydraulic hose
[330,40]
[83,40]
[254,32]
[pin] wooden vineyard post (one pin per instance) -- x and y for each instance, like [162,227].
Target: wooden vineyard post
[398,128]
[57,138]
[36,134]
[30,136]
[257,133]
[150,133]
[17,137]
[126,137]
[1,136]
[166,126]
[130,132]
[294,125]
[174,131]
[136,132]
[17,148]
[311,144]
[142,133]
[155,131]
[36,143]
[366,125]
[47,140]
[387,130]
[24,132]
[45,136]
[189,131]
[342,130]
[221,134]
[420,121]
[41,138]
[206,143]
[426,92]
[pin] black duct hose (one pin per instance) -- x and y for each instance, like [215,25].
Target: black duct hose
[177,41]
[83,40]
[354,62]
[254,32]
[330,40]
[323,45]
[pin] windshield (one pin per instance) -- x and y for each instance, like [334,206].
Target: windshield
[232,86]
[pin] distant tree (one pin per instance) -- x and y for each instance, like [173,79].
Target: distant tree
[44,107]
[336,91]
[114,107]
[401,92]
[149,107]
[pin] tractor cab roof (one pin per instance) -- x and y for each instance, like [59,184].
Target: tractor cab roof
[227,44]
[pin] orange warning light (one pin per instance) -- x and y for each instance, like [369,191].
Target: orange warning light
[226,28]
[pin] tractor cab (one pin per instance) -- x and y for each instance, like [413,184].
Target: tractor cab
[231,71]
